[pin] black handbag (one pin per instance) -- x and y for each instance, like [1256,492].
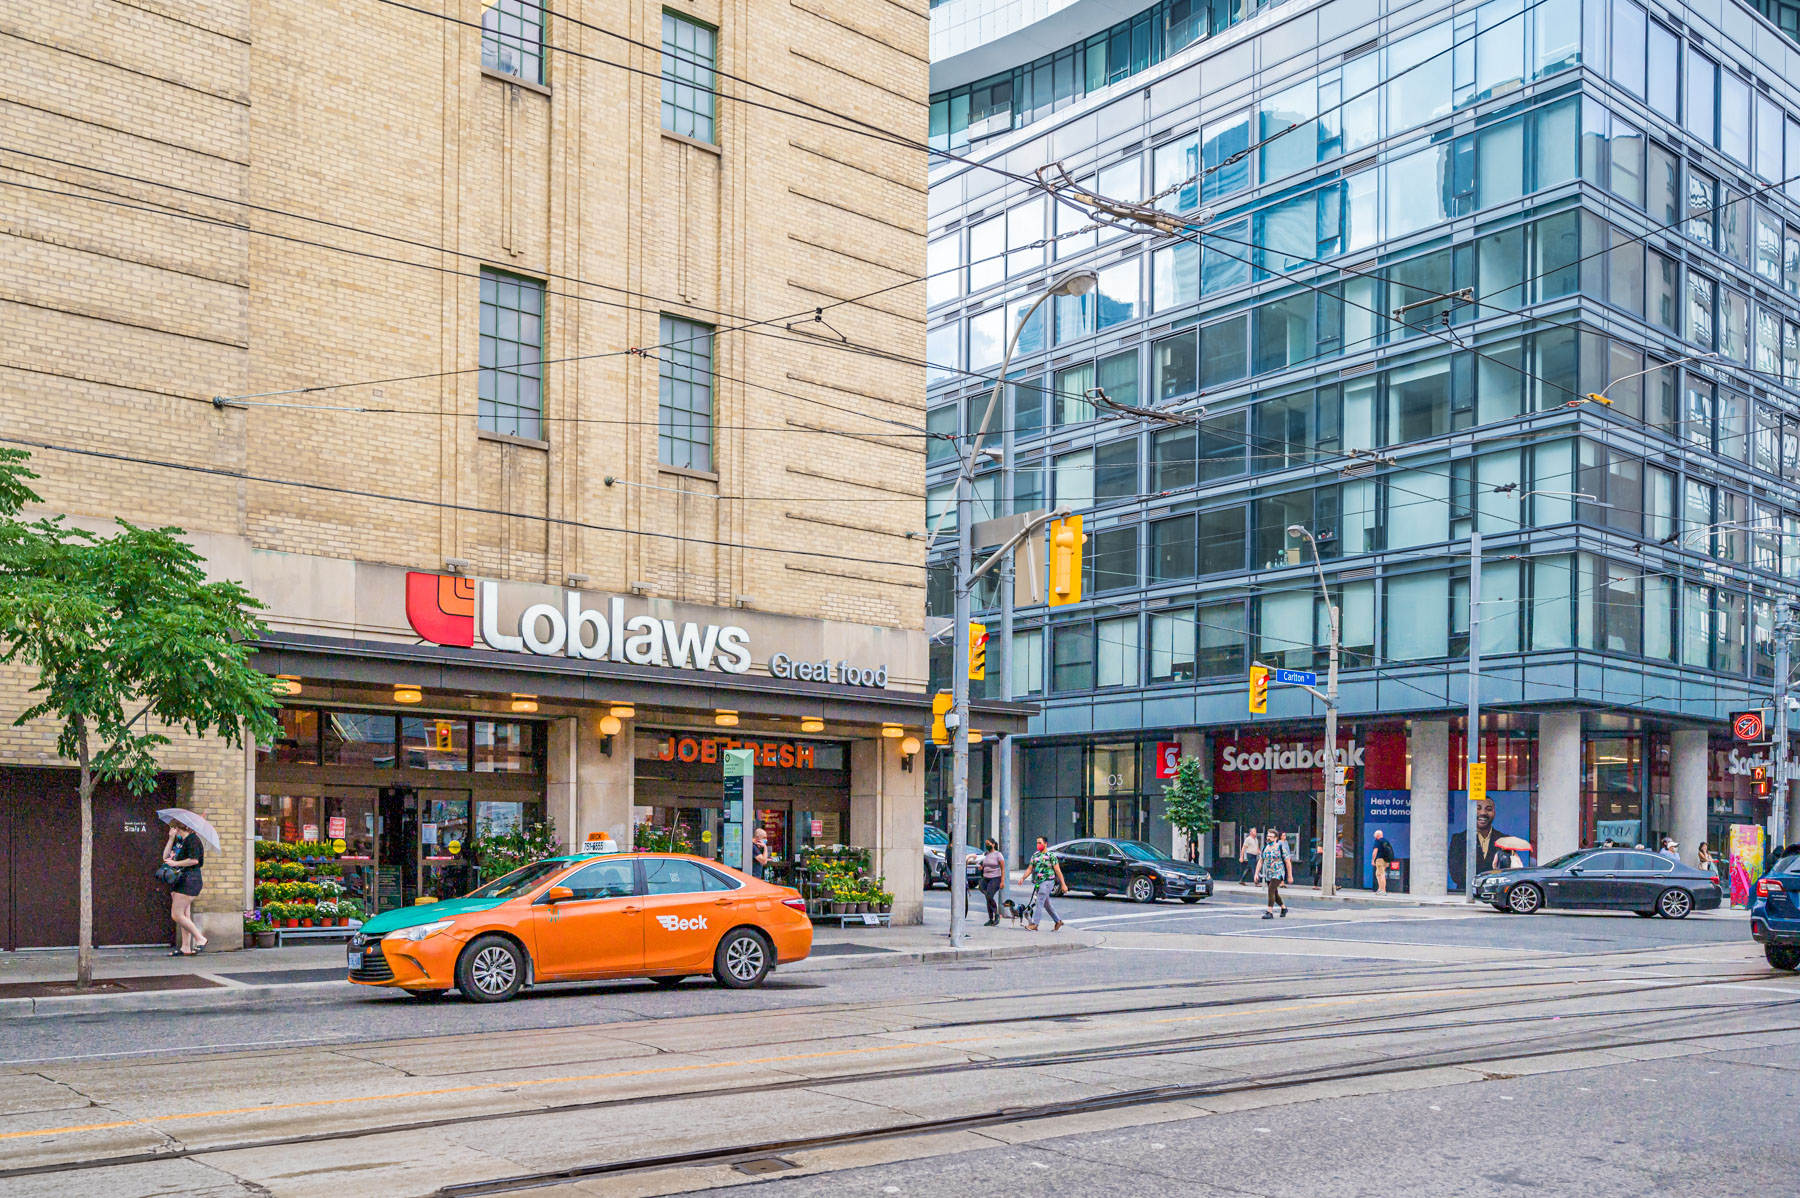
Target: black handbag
[168,874]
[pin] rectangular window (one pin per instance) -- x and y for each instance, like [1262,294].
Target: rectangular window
[1175,275]
[1072,651]
[1628,31]
[1696,625]
[1702,95]
[1224,351]
[1419,401]
[1172,549]
[1172,646]
[1118,295]
[1285,332]
[1224,441]
[1418,616]
[1222,637]
[1116,470]
[1072,385]
[1227,260]
[1028,663]
[1734,117]
[1552,581]
[512,39]
[1075,480]
[1665,71]
[1118,376]
[1117,652]
[940,428]
[1285,632]
[1172,460]
[987,253]
[684,407]
[1112,558]
[1175,365]
[510,386]
[689,55]
[1024,237]
[1221,541]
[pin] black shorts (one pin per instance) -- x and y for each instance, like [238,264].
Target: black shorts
[189,884]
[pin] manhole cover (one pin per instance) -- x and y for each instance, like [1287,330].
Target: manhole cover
[764,1164]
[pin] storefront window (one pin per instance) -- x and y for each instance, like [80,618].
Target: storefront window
[359,738]
[296,737]
[434,743]
[1612,791]
[507,748]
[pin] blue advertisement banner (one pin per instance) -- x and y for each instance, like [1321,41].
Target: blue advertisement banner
[1391,812]
[1506,813]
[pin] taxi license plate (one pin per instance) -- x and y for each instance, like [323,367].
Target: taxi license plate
[356,960]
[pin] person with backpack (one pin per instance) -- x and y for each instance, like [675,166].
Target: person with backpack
[1274,868]
[1383,860]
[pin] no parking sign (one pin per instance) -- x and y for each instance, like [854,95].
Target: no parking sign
[1747,725]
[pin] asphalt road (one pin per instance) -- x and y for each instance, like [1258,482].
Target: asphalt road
[1197,1051]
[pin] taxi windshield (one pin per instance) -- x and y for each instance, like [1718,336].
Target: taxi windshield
[519,880]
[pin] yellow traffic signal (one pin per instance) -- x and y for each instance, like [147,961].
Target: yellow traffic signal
[977,652]
[940,706]
[1066,540]
[1259,689]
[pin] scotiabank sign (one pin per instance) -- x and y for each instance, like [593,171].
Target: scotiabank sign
[1235,759]
[448,610]
[1298,762]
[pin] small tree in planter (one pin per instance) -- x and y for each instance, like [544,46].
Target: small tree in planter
[1188,803]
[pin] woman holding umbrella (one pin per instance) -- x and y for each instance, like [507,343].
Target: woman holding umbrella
[185,853]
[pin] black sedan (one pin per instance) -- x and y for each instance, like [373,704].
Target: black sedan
[1132,868]
[1603,879]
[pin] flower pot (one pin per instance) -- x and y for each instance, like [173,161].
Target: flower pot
[306,923]
[343,921]
[265,939]
[290,923]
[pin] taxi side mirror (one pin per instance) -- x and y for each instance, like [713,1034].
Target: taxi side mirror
[558,894]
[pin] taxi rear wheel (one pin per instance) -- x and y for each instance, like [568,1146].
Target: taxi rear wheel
[492,969]
[742,961]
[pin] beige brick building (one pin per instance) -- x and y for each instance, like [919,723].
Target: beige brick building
[470,239]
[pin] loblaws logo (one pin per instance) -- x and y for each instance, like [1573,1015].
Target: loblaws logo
[674,923]
[441,608]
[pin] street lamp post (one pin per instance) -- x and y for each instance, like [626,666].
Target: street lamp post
[1328,840]
[1078,282]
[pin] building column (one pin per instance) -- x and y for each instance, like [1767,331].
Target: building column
[1687,790]
[887,817]
[1428,747]
[588,789]
[1193,744]
[1559,784]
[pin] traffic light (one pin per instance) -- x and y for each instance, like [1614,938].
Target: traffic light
[977,652]
[1066,540]
[940,706]
[1259,689]
[1759,780]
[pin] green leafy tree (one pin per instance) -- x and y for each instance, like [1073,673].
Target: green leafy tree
[118,628]
[1188,801]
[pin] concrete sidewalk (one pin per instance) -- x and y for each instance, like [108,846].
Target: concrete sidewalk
[38,983]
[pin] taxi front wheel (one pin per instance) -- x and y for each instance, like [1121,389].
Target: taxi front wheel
[742,961]
[491,969]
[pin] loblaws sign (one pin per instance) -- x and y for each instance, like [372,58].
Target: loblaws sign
[443,609]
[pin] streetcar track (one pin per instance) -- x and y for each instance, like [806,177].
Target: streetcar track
[1382,1067]
[1335,1028]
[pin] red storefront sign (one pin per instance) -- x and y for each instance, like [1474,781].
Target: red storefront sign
[1168,758]
[706,749]
[1251,764]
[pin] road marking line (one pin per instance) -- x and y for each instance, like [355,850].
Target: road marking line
[485,1086]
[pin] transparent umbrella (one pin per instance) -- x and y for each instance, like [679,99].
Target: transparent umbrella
[191,819]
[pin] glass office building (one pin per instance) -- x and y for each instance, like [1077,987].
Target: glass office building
[1421,237]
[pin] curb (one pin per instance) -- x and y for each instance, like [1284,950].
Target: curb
[248,996]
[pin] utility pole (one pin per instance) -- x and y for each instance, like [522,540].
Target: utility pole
[1328,838]
[1474,769]
[1076,282]
[1784,630]
[1003,775]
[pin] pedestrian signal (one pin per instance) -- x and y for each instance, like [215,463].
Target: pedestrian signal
[978,638]
[940,705]
[1259,689]
[1066,540]
[1759,780]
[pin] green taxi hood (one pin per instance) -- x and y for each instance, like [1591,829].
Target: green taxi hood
[410,917]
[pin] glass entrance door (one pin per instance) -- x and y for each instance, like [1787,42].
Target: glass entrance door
[443,823]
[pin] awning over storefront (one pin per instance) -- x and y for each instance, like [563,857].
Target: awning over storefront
[577,680]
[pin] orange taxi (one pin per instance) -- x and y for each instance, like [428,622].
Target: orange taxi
[665,916]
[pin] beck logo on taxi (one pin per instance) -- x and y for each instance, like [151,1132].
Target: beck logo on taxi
[674,923]
[441,608]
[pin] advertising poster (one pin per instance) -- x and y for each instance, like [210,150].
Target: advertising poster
[1504,813]
[1391,812]
[1746,861]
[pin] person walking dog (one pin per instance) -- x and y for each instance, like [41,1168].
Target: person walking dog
[183,854]
[1045,876]
[1274,867]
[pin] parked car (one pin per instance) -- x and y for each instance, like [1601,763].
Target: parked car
[1603,879]
[666,916]
[937,860]
[1139,871]
[1775,910]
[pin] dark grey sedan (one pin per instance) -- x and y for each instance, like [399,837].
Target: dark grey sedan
[1132,868]
[1605,880]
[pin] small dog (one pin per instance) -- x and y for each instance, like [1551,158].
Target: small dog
[1020,915]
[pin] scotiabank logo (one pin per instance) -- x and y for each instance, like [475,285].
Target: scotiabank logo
[441,608]
[674,923]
